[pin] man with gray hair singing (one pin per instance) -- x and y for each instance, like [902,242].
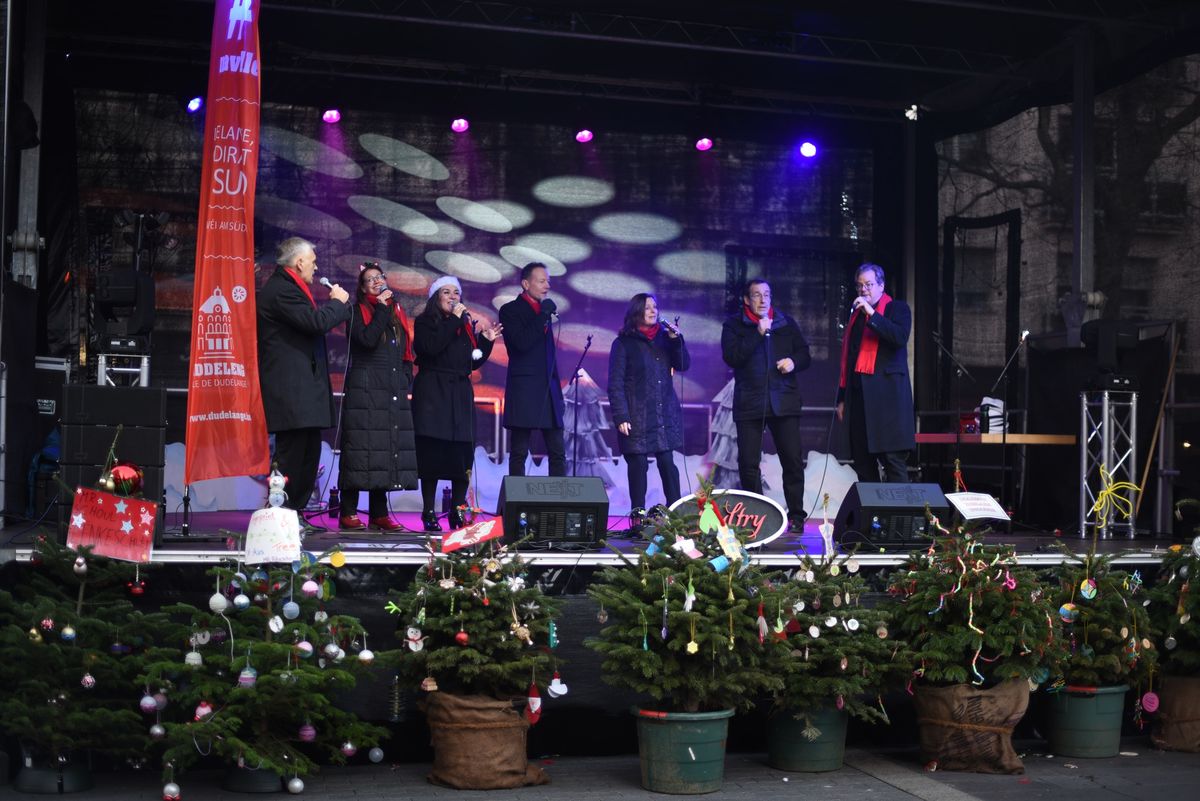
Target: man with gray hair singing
[293,365]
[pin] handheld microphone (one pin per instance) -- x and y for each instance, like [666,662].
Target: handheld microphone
[323,281]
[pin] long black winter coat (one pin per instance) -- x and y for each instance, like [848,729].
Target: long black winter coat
[887,393]
[532,392]
[443,398]
[378,449]
[759,389]
[642,394]
[293,365]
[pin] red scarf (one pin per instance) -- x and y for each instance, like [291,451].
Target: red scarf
[368,314]
[869,348]
[649,331]
[295,276]
[470,329]
[533,302]
[754,318]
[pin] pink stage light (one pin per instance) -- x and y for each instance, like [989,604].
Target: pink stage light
[331,115]
[584,135]
[808,150]
[460,125]
[195,104]
[704,144]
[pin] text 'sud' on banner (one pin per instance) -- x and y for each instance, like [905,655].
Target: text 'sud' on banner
[226,430]
[115,526]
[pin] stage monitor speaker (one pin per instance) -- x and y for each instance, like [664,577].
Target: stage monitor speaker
[891,513]
[553,509]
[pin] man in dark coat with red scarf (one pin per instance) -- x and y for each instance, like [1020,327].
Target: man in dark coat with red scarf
[766,349]
[533,396]
[874,391]
[293,365]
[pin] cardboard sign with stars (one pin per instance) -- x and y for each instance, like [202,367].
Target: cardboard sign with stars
[115,526]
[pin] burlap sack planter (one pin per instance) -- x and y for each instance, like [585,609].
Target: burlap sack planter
[478,743]
[968,728]
[1177,723]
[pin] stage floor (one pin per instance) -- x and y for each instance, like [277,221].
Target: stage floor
[211,537]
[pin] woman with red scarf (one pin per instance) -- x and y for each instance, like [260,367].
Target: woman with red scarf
[646,411]
[449,349]
[874,391]
[766,349]
[378,452]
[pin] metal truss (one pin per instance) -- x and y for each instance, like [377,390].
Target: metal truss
[1108,443]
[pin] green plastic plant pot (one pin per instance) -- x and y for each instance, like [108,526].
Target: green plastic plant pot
[1086,721]
[789,749]
[682,753]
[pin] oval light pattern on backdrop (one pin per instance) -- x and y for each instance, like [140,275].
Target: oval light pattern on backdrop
[309,153]
[636,228]
[519,256]
[476,215]
[607,284]
[573,191]
[760,516]
[468,266]
[508,293]
[573,337]
[697,266]
[567,249]
[296,218]
[517,215]
[409,280]
[406,220]
[695,327]
[404,157]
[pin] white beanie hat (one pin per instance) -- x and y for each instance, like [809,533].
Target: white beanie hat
[445,280]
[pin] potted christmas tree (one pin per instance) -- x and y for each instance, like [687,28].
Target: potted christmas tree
[478,637]
[1175,608]
[687,631]
[984,632]
[836,657]
[73,642]
[1107,629]
[257,680]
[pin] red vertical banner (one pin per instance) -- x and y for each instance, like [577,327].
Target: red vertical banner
[226,429]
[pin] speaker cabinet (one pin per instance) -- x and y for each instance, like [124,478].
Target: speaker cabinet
[553,509]
[92,404]
[888,513]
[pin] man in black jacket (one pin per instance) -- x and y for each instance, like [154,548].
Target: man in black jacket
[532,393]
[766,349]
[293,366]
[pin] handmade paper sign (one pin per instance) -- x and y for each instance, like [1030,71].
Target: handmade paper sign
[113,525]
[473,534]
[977,506]
[273,536]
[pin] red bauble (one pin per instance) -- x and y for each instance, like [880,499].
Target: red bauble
[462,638]
[136,587]
[127,478]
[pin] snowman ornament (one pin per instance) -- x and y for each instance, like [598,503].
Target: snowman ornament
[275,483]
[414,640]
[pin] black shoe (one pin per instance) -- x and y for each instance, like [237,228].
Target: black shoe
[454,520]
[430,521]
[796,524]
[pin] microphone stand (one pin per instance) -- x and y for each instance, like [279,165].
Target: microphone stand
[959,371]
[575,400]
[1004,421]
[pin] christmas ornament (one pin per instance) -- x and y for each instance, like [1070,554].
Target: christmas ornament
[1087,589]
[305,648]
[67,633]
[193,659]
[462,638]
[295,785]
[160,700]
[881,632]
[1150,701]
[126,478]
[170,792]
[349,748]
[375,754]
[1068,612]
[310,589]
[814,631]
[533,706]
[148,705]
[366,656]
[136,587]
[331,649]
[556,689]
[217,603]
[413,639]
[203,710]
[602,616]
[35,636]
[48,624]
[158,731]
[275,624]
[291,610]
[88,681]
[80,567]
[248,677]
[307,733]
[241,601]
[320,616]
[429,684]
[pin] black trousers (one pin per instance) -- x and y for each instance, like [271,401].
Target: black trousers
[377,503]
[868,466]
[298,454]
[636,465]
[786,433]
[518,450]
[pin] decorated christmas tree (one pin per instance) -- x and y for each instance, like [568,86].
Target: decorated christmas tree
[256,675]
[1175,610]
[971,613]
[832,650]
[73,642]
[688,627]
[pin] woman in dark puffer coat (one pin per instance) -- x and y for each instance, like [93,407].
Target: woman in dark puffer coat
[378,449]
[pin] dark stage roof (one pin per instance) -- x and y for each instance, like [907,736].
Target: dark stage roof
[967,63]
